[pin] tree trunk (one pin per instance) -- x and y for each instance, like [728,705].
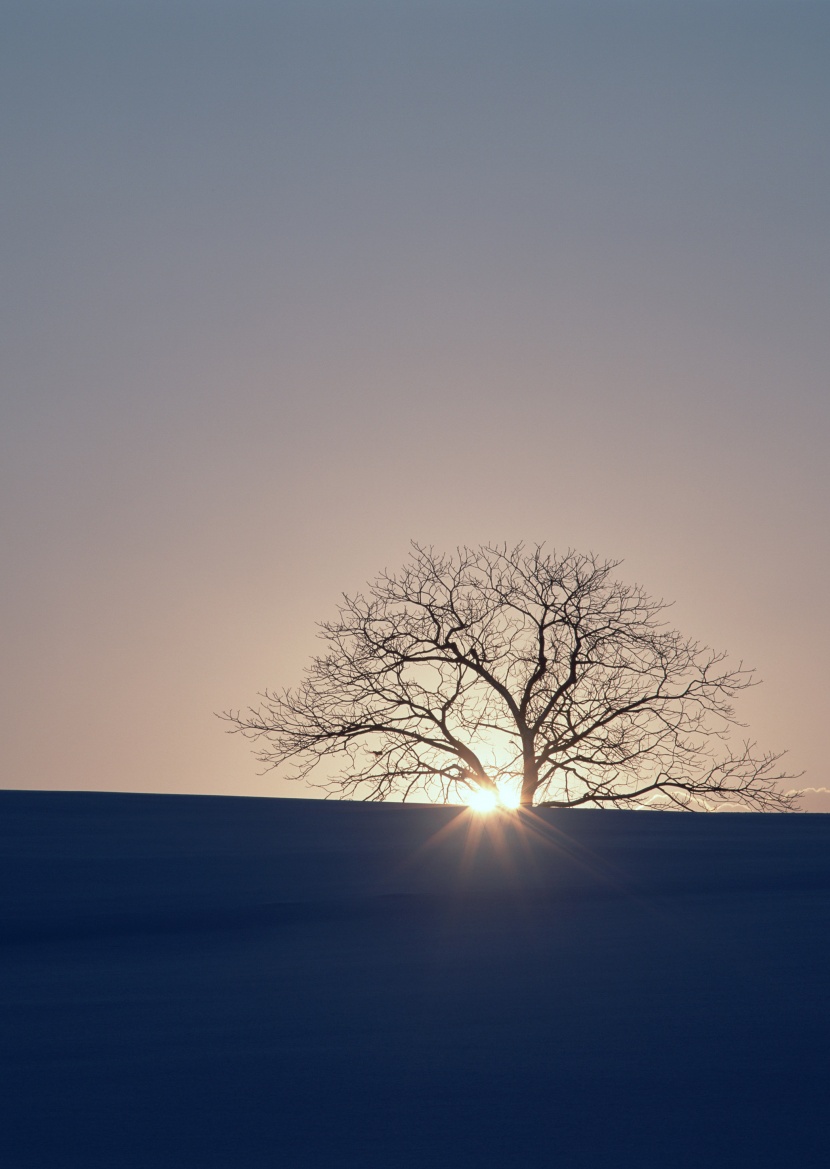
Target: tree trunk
[530,781]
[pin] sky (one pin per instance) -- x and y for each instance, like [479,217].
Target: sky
[287,285]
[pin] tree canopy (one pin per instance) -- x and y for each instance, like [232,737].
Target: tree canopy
[533,675]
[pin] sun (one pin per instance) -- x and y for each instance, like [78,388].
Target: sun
[484,800]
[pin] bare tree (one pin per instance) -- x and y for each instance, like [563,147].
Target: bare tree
[498,669]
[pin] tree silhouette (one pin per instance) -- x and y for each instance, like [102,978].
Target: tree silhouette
[511,669]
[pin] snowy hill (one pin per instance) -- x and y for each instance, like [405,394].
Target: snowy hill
[219,982]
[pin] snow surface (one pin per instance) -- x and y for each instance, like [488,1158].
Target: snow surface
[202,981]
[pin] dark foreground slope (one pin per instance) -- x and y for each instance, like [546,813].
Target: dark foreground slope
[247,983]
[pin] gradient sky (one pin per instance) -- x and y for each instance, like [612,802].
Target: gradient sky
[285,285]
